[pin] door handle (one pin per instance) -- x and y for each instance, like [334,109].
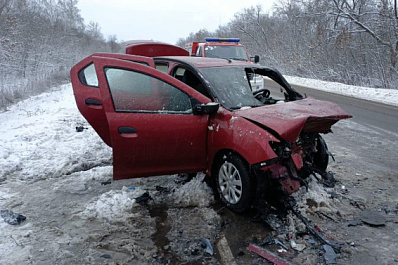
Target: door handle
[90,101]
[130,130]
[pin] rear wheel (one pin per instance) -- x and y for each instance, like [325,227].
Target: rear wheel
[233,183]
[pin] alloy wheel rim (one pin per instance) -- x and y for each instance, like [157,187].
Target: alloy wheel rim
[230,183]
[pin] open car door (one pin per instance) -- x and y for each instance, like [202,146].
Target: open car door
[148,119]
[87,92]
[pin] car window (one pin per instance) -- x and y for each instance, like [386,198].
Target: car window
[88,76]
[230,87]
[189,78]
[226,51]
[137,92]
[200,52]
[162,67]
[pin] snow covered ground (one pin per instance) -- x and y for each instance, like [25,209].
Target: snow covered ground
[386,96]
[54,175]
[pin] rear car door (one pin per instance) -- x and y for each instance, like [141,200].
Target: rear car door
[87,92]
[151,126]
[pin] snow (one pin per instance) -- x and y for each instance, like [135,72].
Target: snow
[382,95]
[113,206]
[39,138]
[195,193]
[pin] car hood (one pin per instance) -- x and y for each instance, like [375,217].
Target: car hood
[289,119]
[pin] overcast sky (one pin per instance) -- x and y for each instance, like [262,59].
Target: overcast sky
[162,20]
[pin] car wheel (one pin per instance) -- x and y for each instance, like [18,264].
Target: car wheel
[233,183]
[321,157]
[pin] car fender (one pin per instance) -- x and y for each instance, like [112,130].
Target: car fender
[228,131]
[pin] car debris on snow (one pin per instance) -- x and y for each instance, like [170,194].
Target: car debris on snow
[267,255]
[295,246]
[106,182]
[209,247]
[372,218]
[143,199]
[12,218]
[330,255]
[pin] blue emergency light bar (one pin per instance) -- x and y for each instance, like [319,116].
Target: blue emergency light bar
[222,39]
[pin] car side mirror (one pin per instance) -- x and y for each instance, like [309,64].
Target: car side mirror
[209,108]
[255,58]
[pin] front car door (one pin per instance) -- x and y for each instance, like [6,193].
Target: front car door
[150,122]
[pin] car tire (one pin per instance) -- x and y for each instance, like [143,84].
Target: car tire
[321,157]
[233,183]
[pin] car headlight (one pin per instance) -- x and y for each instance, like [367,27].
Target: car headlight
[282,149]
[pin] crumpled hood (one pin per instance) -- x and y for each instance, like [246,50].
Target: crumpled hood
[289,119]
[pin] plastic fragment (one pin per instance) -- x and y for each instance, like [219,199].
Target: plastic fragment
[267,255]
[12,218]
[106,182]
[372,218]
[144,198]
[106,256]
[209,248]
[131,188]
[80,128]
[311,241]
[330,255]
[281,244]
[298,247]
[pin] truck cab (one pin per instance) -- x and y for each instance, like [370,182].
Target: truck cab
[226,48]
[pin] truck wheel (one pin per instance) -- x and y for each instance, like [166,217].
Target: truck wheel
[233,183]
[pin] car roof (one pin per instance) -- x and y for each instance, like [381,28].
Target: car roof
[204,62]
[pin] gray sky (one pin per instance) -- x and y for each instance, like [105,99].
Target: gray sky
[161,20]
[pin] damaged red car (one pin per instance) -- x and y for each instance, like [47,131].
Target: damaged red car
[180,114]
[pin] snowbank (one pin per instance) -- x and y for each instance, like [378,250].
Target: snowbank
[386,96]
[195,193]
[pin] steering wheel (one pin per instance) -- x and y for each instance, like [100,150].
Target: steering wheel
[264,92]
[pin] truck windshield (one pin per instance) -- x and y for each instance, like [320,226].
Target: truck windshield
[226,51]
[230,86]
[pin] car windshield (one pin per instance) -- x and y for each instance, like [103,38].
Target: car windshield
[230,87]
[226,51]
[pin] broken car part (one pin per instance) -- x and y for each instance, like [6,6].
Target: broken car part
[12,218]
[267,255]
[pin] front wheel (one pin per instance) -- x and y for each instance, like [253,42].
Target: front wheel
[233,183]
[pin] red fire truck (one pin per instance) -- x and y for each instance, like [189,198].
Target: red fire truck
[227,48]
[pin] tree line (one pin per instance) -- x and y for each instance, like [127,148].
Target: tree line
[349,41]
[40,40]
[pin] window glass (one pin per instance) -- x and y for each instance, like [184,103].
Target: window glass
[134,91]
[226,51]
[230,87]
[200,53]
[162,67]
[88,76]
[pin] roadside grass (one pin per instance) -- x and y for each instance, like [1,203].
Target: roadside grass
[14,91]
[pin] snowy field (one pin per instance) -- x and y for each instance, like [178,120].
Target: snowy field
[59,179]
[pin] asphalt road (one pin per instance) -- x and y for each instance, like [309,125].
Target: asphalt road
[377,116]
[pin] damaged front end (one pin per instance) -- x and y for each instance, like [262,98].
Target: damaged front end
[301,150]
[294,163]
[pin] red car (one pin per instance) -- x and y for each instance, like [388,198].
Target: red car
[181,114]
